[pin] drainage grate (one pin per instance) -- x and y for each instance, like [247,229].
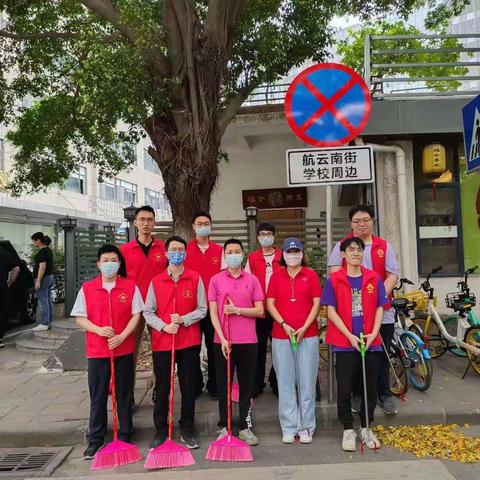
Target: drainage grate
[31,462]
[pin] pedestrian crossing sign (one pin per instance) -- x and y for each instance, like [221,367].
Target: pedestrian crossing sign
[471,134]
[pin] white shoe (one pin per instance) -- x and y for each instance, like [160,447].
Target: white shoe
[369,439]
[349,440]
[305,436]
[288,438]
[222,433]
[40,328]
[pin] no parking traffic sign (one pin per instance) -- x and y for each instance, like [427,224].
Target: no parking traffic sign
[328,105]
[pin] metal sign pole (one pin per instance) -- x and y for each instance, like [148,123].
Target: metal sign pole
[329,208]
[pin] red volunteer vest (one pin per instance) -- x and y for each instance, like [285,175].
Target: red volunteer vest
[181,298]
[206,264]
[379,254]
[258,267]
[140,268]
[343,295]
[104,309]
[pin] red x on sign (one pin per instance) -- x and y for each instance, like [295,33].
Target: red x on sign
[327,105]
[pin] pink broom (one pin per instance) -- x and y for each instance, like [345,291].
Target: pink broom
[116,453]
[170,454]
[229,448]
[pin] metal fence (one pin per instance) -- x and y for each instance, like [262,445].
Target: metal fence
[387,56]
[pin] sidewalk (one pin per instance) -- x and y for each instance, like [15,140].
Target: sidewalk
[52,409]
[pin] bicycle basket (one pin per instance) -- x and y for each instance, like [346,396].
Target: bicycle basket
[459,301]
[419,297]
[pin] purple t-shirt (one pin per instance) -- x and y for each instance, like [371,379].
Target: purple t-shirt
[328,298]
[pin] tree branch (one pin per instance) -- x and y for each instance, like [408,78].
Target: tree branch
[110,12]
[53,36]
[232,108]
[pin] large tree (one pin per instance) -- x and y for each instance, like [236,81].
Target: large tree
[102,72]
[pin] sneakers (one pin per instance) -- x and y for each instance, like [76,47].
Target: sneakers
[288,438]
[248,437]
[388,405]
[222,433]
[91,450]
[189,440]
[158,440]
[369,439]
[349,440]
[40,328]
[356,403]
[305,436]
[2,343]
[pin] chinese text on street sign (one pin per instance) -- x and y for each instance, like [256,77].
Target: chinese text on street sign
[330,166]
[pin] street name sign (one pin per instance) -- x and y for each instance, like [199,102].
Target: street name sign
[471,134]
[330,166]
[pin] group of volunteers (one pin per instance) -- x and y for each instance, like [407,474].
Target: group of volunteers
[184,291]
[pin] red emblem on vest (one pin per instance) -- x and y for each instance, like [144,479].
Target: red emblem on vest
[123,298]
[215,260]
[158,257]
[370,288]
[380,253]
[187,294]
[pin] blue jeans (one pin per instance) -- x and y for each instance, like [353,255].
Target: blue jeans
[292,419]
[45,303]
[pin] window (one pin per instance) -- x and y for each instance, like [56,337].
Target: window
[77,182]
[126,192]
[156,199]
[108,191]
[149,163]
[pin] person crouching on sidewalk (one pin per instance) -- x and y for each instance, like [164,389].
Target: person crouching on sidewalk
[355,297]
[176,302]
[108,308]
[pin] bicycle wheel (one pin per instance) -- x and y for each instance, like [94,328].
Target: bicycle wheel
[451,326]
[398,375]
[472,337]
[436,342]
[420,372]
[322,335]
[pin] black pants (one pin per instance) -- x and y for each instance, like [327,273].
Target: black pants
[98,383]
[243,359]
[187,360]
[386,331]
[348,370]
[208,332]
[264,332]
[3,311]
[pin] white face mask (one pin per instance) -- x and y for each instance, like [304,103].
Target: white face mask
[293,259]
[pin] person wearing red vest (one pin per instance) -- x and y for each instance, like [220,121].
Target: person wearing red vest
[108,309]
[205,257]
[175,304]
[263,263]
[379,256]
[144,258]
[355,297]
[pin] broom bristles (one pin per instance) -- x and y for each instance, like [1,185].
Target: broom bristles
[229,449]
[169,454]
[115,454]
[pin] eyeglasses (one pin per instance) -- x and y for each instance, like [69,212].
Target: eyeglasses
[265,234]
[204,224]
[145,220]
[176,250]
[358,221]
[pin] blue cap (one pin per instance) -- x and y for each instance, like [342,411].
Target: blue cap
[292,242]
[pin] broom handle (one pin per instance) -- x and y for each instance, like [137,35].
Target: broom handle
[114,396]
[172,375]
[229,380]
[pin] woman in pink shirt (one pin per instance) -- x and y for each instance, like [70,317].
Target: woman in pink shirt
[238,295]
[293,300]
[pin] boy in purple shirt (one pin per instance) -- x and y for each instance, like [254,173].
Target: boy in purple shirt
[238,295]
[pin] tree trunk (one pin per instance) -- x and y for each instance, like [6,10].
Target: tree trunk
[189,177]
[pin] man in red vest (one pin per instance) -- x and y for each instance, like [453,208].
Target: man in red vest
[379,256]
[205,257]
[262,263]
[355,297]
[108,308]
[144,258]
[176,302]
